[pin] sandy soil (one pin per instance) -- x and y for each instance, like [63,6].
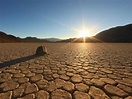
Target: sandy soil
[80,69]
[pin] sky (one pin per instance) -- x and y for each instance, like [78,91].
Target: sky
[62,18]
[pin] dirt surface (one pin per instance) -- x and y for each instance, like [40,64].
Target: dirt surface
[68,71]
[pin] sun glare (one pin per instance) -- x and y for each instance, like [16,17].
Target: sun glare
[83,33]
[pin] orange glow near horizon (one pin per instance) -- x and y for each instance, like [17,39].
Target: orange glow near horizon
[83,34]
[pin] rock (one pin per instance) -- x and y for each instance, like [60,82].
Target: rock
[41,50]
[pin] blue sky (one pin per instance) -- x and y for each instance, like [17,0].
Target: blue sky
[62,18]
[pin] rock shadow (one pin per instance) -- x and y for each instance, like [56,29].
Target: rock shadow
[18,60]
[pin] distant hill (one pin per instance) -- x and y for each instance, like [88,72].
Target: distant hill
[53,39]
[33,39]
[116,34]
[81,40]
[119,34]
[4,38]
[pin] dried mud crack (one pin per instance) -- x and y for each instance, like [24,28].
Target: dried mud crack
[69,71]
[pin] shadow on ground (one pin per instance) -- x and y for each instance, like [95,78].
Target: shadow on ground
[18,60]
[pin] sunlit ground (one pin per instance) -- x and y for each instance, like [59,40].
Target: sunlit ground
[86,70]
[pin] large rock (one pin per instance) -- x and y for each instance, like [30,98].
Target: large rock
[41,50]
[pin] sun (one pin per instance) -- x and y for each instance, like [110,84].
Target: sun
[83,33]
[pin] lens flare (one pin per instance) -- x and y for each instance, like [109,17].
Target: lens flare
[83,33]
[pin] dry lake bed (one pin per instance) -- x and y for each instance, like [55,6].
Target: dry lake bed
[68,71]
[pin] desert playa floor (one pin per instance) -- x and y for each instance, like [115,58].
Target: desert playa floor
[68,71]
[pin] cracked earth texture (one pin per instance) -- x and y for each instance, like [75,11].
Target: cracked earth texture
[68,71]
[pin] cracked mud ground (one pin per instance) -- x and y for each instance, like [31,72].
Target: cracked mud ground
[69,71]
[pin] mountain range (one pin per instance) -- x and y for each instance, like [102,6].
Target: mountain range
[119,34]
[8,38]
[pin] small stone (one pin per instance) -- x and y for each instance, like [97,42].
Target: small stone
[76,79]
[81,87]
[97,93]
[115,90]
[31,88]
[61,94]
[42,95]
[41,50]
[81,95]
[68,86]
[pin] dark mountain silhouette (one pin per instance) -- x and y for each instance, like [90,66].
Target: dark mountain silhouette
[119,34]
[4,38]
[116,34]
[81,40]
[33,39]
[53,39]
